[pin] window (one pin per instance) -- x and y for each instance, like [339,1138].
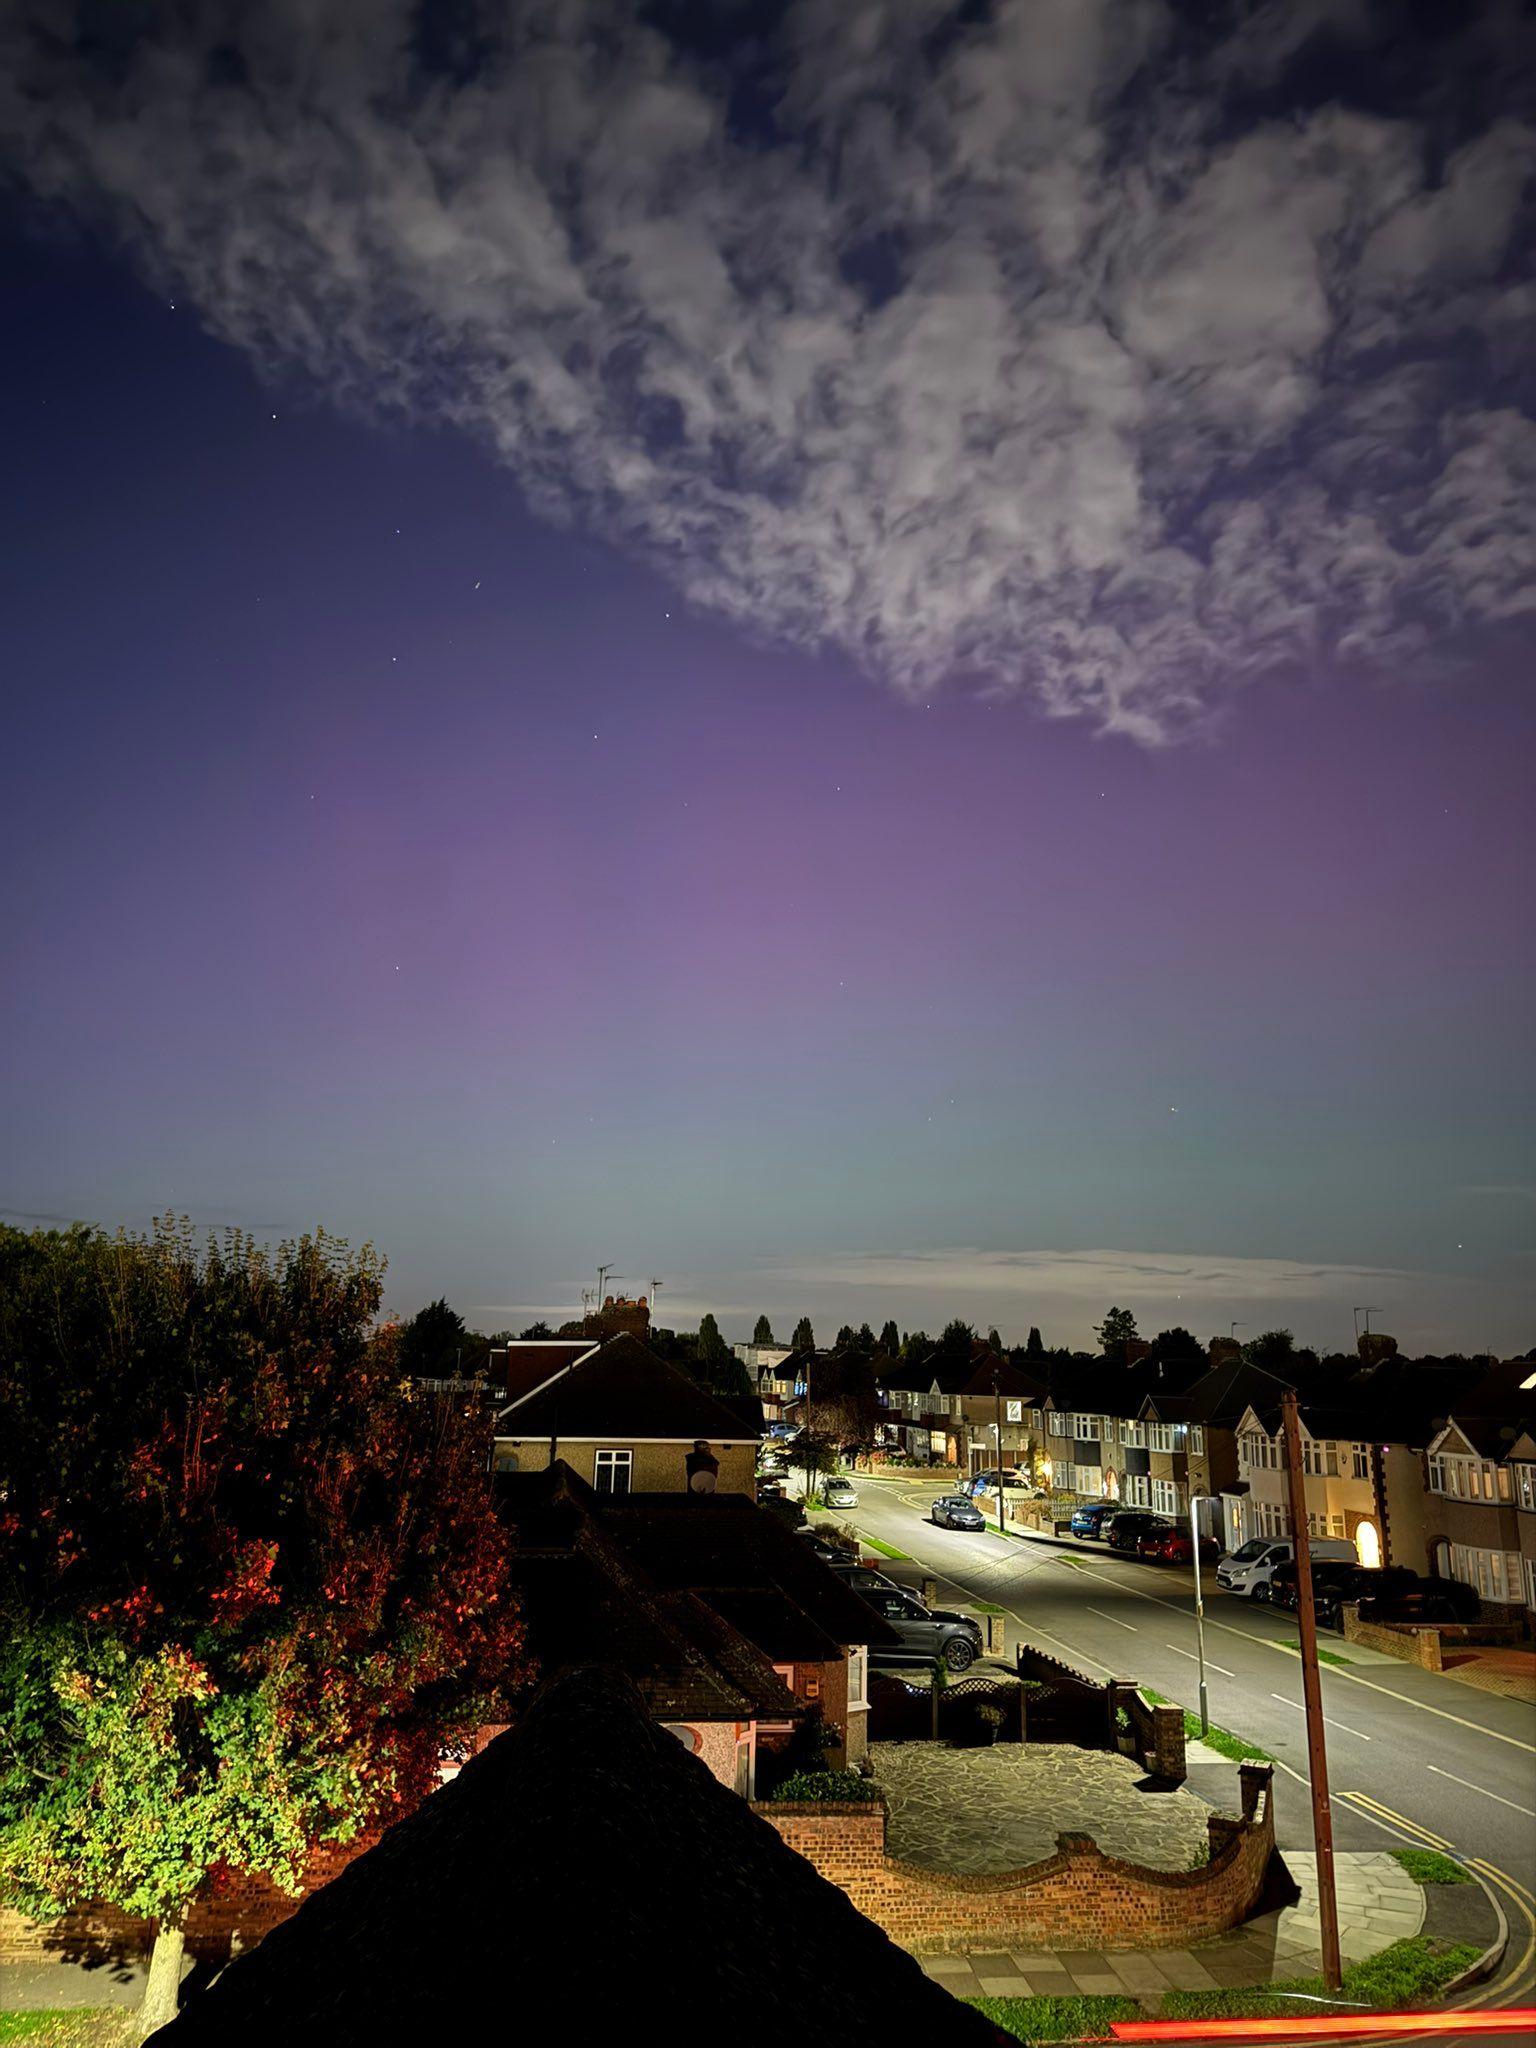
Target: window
[1496,1574]
[1165,1496]
[1138,1490]
[612,1471]
[1061,1424]
[1086,1428]
[858,1675]
[1530,1582]
[1319,1457]
[1525,1486]
[1196,1440]
[1360,1459]
[1134,1435]
[1160,1435]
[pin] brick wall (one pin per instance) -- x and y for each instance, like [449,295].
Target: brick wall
[1419,1646]
[227,1919]
[1078,1898]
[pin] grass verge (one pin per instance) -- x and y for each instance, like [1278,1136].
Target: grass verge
[885,1549]
[1057,2019]
[1428,1866]
[1323,1656]
[1222,1740]
[77,2026]
[1406,1974]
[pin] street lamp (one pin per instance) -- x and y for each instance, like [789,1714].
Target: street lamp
[1194,1537]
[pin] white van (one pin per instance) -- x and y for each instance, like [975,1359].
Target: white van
[1251,1566]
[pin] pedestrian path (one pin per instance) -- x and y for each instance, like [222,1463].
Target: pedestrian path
[1508,1672]
[1378,1904]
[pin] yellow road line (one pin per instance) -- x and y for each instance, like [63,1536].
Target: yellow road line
[1413,1826]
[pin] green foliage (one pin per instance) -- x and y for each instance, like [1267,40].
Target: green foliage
[1084,2018]
[1274,1350]
[885,1549]
[994,1341]
[252,1583]
[711,1344]
[1033,1348]
[890,1340]
[437,1344]
[762,1331]
[827,1786]
[535,1331]
[804,1338]
[1177,1346]
[1116,1331]
[1400,1977]
[1428,1866]
[1220,1739]
[955,1343]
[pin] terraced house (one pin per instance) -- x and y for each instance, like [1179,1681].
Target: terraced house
[1480,1509]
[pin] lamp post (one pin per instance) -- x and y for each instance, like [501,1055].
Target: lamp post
[998,1427]
[1194,1539]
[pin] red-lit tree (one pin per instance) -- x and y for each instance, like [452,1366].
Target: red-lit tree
[252,1587]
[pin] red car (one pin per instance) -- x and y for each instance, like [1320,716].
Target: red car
[1171,1543]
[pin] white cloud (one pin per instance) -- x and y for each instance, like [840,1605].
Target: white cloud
[1014,353]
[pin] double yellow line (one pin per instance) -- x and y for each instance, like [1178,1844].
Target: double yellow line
[1519,1901]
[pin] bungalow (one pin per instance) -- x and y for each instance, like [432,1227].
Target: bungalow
[624,1420]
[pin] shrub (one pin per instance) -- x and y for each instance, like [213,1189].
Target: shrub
[828,1787]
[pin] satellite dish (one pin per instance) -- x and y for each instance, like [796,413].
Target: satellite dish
[703,1481]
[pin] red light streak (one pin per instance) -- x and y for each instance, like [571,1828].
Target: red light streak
[1335,2027]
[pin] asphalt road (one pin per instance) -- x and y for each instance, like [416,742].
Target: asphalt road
[1413,1757]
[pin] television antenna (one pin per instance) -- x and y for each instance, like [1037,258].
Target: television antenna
[655,1289]
[1367,1313]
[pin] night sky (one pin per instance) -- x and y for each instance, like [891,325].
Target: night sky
[873,659]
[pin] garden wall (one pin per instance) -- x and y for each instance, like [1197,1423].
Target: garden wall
[1079,1898]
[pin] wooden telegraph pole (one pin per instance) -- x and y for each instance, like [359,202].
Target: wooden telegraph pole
[1312,1697]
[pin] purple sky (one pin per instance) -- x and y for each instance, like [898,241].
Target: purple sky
[385,855]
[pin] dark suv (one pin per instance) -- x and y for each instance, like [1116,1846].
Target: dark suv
[926,1633]
[1128,1527]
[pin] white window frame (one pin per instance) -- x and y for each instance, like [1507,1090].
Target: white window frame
[858,1677]
[1525,1488]
[1165,1497]
[613,1461]
[1196,1440]
[1085,1429]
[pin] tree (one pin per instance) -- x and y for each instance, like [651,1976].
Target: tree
[1274,1350]
[762,1331]
[804,1338]
[955,1344]
[890,1340]
[916,1345]
[535,1331]
[1375,1346]
[712,1346]
[1033,1347]
[253,1586]
[994,1341]
[845,1339]
[1117,1330]
[437,1344]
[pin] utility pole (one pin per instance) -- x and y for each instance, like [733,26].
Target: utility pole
[1312,1696]
[997,1399]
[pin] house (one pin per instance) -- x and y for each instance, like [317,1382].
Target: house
[1355,1486]
[624,1419]
[729,1625]
[1001,1418]
[582,1873]
[1156,1449]
[1480,1506]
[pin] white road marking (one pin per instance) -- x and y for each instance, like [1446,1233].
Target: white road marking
[1342,1726]
[1195,1660]
[1531,1810]
[1114,1618]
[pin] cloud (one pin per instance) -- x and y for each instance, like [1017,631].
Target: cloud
[1062,352]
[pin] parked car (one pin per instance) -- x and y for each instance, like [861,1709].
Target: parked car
[1170,1542]
[926,1634]
[1089,1519]
[832,1553]
[1123,1531]
[1335,1580]
[1012,1480]
[838,1493]
[1426,1602]
[954,1511]
[1249,1568]
[862,1577]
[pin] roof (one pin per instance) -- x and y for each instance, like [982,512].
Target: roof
[529,1365]
[584,1868]
[1160,1407]
[621,1390]
[724,1546]
[1012,1380]
[579,1592]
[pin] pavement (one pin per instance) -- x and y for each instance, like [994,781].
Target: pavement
[1378,1904]
[1509,1672]
[1415,1758]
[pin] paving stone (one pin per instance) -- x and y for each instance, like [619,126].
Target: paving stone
[976,1810]
[1005,1987]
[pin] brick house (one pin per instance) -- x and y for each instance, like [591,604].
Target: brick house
[734,1631]
[1355,1485]
[1480,1511]
[625,1420]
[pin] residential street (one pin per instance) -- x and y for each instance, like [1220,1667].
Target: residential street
[1413,1757]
